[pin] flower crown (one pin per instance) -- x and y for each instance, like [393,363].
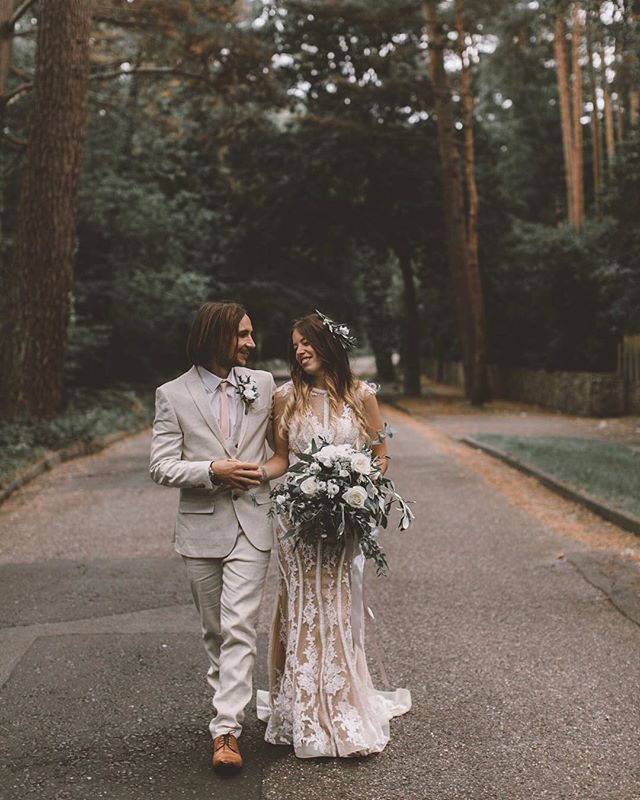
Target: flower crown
[341,332]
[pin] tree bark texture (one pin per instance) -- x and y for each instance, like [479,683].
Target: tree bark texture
[564,94]
[6,37]
[475,282]
[454,212]
[608,115]
[596,144]
[39,280]
[411,329]
[634,107]
[578,161]
[619,120]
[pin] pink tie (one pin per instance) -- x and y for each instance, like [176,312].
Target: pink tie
[225,426]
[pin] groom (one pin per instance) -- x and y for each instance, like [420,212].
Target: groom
[209,435]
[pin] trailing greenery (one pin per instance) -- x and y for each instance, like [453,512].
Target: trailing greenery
[86,417]
[607,470]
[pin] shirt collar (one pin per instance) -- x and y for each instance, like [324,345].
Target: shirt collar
[212,382]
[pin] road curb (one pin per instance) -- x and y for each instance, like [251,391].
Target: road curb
[619,518]
[53,458]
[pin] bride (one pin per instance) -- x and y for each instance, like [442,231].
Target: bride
[321,697]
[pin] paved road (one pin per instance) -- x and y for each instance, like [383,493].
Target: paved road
[509,614]
[446,410]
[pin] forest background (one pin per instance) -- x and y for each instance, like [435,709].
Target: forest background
[299,154]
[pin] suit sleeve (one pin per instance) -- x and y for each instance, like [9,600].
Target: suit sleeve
[167,467]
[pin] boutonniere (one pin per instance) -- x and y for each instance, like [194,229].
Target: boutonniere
[248,390]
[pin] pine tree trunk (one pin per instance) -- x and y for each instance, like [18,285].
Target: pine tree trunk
[634,107]
[40,278]
[382,325]
[619,121]
[453,199]
[596,145]
[608,115]
[578,168]
[633,19]
[470,325]
[6,39]
[411,332]
[477,299]
[562,71]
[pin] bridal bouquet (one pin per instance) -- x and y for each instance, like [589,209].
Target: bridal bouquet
[334,490]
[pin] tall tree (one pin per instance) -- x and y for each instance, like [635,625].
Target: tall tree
[39,280]
[564,94]
[608,114]
[468,105]
[464,274]
[578,160]
[596,145]
[6,34]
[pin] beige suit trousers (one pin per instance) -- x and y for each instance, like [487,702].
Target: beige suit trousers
[227,592]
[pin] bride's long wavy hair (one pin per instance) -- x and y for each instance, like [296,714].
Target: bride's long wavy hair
[342,385]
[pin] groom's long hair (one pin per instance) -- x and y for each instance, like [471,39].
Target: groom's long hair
[342,385]
[214,332]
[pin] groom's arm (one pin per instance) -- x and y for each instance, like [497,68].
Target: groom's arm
[167,467]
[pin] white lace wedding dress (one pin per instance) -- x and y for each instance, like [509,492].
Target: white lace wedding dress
[321,697]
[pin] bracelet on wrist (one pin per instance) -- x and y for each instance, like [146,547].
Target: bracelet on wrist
[213,478]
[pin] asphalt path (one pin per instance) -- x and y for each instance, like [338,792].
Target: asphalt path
[519,641]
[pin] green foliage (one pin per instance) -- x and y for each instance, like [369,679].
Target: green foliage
[545,301]
[86,417]
[284,151]
[620,240]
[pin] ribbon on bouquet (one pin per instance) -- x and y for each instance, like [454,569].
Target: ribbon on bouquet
[360,607]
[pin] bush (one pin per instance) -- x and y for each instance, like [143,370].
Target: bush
[86,417]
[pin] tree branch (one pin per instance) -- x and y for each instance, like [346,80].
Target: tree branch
[99,76]
[18,143]
[21,73]
[22,8]
[7,98]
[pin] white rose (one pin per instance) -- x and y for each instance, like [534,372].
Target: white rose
[250,394]
[332,488]
[355,497]
[344,450]
[344,473]
[309,486]
[361,463]
[280,499]
[326,455]
[314,469]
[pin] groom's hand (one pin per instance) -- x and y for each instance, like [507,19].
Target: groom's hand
[238,474]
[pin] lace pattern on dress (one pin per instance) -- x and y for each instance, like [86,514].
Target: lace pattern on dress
[321,697]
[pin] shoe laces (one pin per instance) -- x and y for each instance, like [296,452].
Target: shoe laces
[227,741]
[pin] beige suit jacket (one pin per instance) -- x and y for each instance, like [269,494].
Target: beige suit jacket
[186,439]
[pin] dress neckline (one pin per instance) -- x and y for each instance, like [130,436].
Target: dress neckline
[318,391]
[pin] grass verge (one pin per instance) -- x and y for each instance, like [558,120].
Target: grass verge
[607,470]
[86,417]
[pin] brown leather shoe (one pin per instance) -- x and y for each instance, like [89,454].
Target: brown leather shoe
[226,753]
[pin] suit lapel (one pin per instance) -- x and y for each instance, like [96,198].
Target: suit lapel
[197,392]
[241,410]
